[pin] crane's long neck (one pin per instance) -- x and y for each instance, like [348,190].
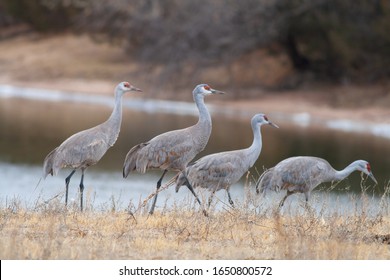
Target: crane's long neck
[204,115]
[342,174]
[203,126]
[254,150]
[113,125]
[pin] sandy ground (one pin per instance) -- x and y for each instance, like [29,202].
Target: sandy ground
[78,64]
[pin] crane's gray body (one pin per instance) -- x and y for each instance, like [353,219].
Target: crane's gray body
[87,147]
[298,174]
[82,149]
[218,171]
[221,170]
[304,173]
[173,150]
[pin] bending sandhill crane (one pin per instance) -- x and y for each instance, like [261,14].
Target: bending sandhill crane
[173,150]
[302,174]
[87,147]
[221,170]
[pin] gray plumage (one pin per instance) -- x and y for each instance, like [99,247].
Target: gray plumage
[87,147]
[173,150]
[221,170]
[302,174]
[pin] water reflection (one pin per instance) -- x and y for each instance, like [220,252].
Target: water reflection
[29,129]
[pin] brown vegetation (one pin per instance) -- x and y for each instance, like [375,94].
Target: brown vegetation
[50,232]
[334,40]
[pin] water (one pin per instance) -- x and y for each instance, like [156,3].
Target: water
[33,122]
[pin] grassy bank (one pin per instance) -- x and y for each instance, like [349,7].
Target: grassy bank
[51,232]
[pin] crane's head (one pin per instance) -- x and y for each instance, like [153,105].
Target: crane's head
[260,119]
[205,89]
[125,87]
[365,167]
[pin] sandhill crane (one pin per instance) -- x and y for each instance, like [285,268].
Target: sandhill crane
[221,170]
[173,150]
[302,174]
[87,147]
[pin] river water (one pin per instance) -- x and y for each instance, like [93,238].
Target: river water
[33,122]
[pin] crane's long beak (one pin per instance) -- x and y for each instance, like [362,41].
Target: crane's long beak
[373,178]
[272,124]
[214,91]
[133,88]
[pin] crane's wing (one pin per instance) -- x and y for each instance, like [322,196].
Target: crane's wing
[216,171]
[81,150]
[48,163]
[300,172]
[265,181]
[172,150]
[131,159]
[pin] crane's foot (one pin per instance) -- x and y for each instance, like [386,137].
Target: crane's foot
[151,211]
[67,180]
[230,199]
[309,209]
[82,192]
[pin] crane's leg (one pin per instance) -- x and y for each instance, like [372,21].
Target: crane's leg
[81,190]
[157,188]
[284,198]
[211,198]
[230,198]
[67,180]
[257,187]
[307,197]
[189,186]
[307,206]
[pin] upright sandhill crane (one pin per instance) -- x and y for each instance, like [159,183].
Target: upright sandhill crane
[87,147]
[173,150]
[302,174]
[221,170]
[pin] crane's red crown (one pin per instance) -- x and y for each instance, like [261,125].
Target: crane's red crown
[126,84]
[207,87]
[265,117]
[368,167]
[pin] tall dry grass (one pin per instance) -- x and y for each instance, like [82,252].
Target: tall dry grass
[49,231]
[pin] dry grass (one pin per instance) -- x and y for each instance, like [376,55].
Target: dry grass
[51,232]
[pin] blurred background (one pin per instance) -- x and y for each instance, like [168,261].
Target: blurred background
[321,58]
[272,44]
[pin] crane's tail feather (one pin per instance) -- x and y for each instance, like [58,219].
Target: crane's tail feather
[181,181]
[130,163]
[264,182]
[48,164]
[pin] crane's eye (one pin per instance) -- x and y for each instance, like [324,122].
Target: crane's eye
[207,87]
[126,85]
[265,117]
[368,167]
